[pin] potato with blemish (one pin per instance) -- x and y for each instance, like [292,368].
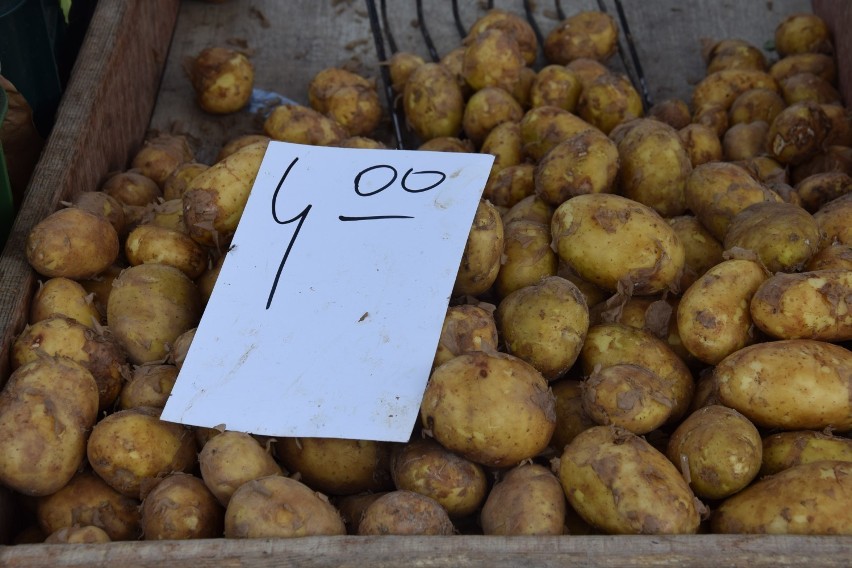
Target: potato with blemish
[180,507]
[516,26]
[493,59]
[803,33]
[587,34]
[608,101]
[433,102]
[467,402]
[486,109]
[465,328]
[302,125]
[840,131]
[280,507]
[403,512]
[718,451]
[819,189]
[330,80]
[175,185]
[63,297]
[713,315]
[721,88]
[222,79]
[103,205]
[620,484]
[160,155]
[797,133]
[358,109]
[791,384]
[784,450]
[544,324]
[834,257]
[745,140]
[480,262]
[528,500]
[658,316]
[149,385]
[159,245]
[756,104]
[544,127]
[809,87]
[674,112]
[587,162]
[424,466]
[734,54]
[528,257]
[628,396]
[231,459]
[556,85]
[510,185]
[701,143]
[132,188]
[714,117]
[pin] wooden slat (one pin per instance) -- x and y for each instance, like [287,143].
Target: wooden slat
[102,118]
[446,552]
[838,16]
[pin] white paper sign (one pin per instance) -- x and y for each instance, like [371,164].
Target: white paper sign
[327,312]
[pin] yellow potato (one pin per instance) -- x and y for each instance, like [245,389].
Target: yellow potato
[528,500]
[628,396]
[527,257]
[587,162]
[833,219]
[556,85]
[701,143]
[486,109]
[734,54]
[510,185]
[403,512]
[480,262]
[787,449]
[175,185]
[517,27]
[230,459]
[433,102]
[302,125]
[180,507]
[65,297]
[222,78]
[608,101]
[493,59]
[465,328]
[571,416]
[587,34]
[723,87]
[701,249]
[160,155]
[544,127]
[798,133]
[674,112]
[103,205]
[803,33]
[150,385]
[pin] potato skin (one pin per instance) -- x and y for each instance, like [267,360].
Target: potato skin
[588,34]
[619,483]
[465,328]
[792,384]
[232,458]
[149,243]
[783,450]
[493,59]
[806,499]
[181,507]
[527,256]
[586,162]
[405,512]
[433,102]
[65,297]
[222,79]
[628,396]
[480,262]
[528,500]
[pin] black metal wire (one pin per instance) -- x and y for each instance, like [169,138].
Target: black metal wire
[388,34]
[421,22]
[634,55]
[457,17]
[560,13]
[528,10]
[376,28]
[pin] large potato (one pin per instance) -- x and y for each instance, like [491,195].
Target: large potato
[798,133]
[433,102]
[792,384]
[619,483]
[528,500]
[492,408]
[610,240]
[544,127]
[517,26]
[803,33]
[810,498]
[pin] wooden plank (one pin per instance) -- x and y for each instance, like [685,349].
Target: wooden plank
[838,16]
[100,122]
[444,552]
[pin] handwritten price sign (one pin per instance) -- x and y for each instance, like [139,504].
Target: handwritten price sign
[327,312]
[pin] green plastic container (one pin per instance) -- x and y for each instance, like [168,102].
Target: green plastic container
[7,211]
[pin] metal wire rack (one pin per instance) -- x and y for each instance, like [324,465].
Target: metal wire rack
[386,45]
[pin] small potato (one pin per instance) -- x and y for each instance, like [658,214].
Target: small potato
[587,34]
[102,204]
[510,22]
[88,500]
[433,102]
[132,188]
[504,143]
[718,451]
[628,396]
[545,324]
[468,400]
[480,262]
[149,307]
[447,144]
[128,448]
[620,484]
[713,317]
[802,33]
[701,143]
[833,159]
[493,59]
[808,499]
[701,249]
[78,535]
[587,162]
[820,64]
[528,500]
[465,328]
[744,141]
[232,458]
[812,305]
[734,54]
[527,257]
[158,245]
[798,133]
[809,87]
[222,79]
[302,125]
[544,127]
[424,466]
[337,466]
[160,155]
[358,109]
[556,85]
[453,62]
[64,297]
[642,249]
[784,450]
[756,104]
[150,385]
[714,117]
[571,416]
[531,208]
[833,219]
[280,507]
[674,112]
[723,87]
[510,185]
[352,507]
[72,243]
[819,189]
[404,512]
[100,287]
[587,69]
[793,384]
[486,109]
[175,185]
[401,65]
[326,82]
[180,507]
[608,101]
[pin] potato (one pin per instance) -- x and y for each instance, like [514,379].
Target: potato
[447,144]
[424,466]
[88,501]
[181,507]
[734,54]
[802,33]
[130,447]
[510,185]
[493,59]
[834,257]
[72,243]
[654,167]
[214,201]
[809,87]
[46,410]
[840,132]
[530,208]
[818,64]
[510,22]
[715,192]
[571,416]
[608,101]
[528,500]
[327,81]
[404,512]
[721,88]
[302,125]
[160,155]
[180,348]
[545,324]
[480,260]
[175,185]
[232,458]
[819,189]
[103,205]
[745,140]
[718,451]
[614,344]
[222,79]
[63,297]
[504,143]
[701,143]
[806,499]
[465,328]
[586,162]
[783,235]
[833,220]
[811,305]
[523,88]
[78,535]
[356,108]
[586,34]
[833,159]
[527,257]
[656,315]
[701,249]
[453,62]
[433,102]
[401,65]
[642,249]
[492,408]
[793,384]
[149,307]
[798,133]
[556,85]
[674,112]
[759,104]
[352,507]
[166,215]
[132,188]
[150,385]
[784,450]
[544,127]
[100,287]
[238,143]
[713,316]
[620,484]
[95,349]
[486,109]
[337,466]
[628,396]
[158,245]
[361,142]
[207,280]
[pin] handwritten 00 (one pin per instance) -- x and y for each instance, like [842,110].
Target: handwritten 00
[301,216]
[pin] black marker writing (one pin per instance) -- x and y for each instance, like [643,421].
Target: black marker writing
[371,217]
[300,217]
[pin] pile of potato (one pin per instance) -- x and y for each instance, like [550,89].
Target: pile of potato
[649,331]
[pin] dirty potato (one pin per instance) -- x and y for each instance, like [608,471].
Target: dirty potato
[586,162]
[232,458]
[465,328]
[180,507]
[222,78]
[302,125]
[433,102]
[483,250]
[404,512]
[527,257]
[486,109]
[528,500]
[783,450]
[64,297]
[608,101]
[628,396]
[587,34]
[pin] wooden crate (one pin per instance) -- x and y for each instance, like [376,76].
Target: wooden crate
[129,78]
